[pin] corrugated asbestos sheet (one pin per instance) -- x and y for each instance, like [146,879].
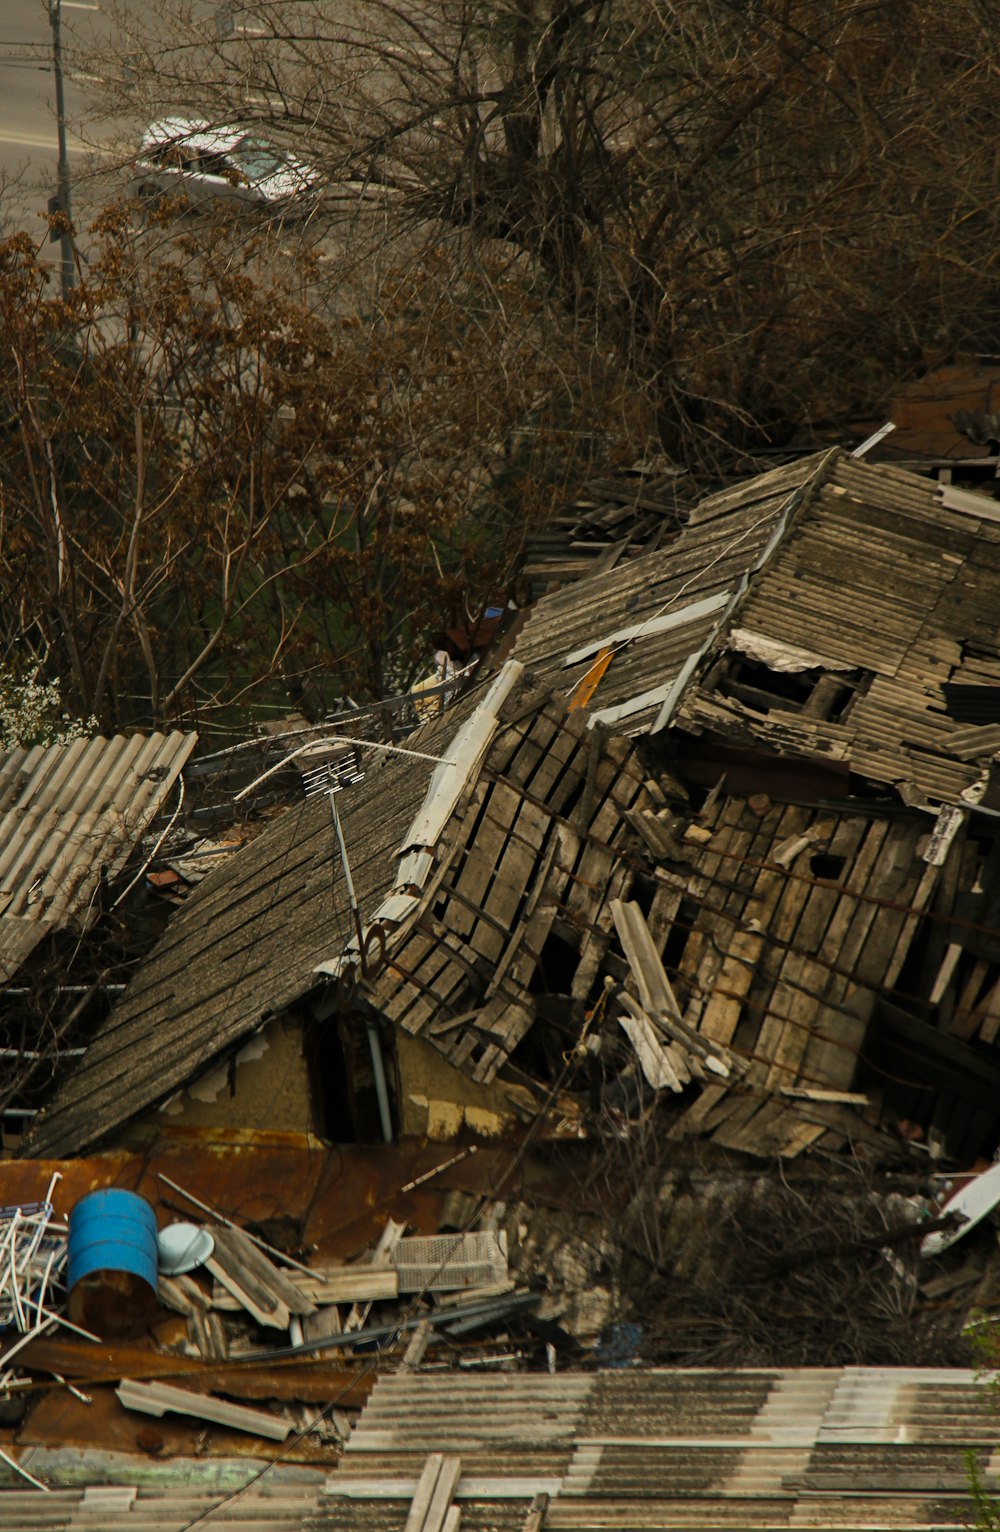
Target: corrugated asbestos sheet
[610,521]
[644,1449]
[878,576]
[833,608]
[672,602]
[244,945]
[68,814]
[635,1450]
[110,1507]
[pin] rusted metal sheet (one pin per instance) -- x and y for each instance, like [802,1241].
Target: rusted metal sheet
[90,1364]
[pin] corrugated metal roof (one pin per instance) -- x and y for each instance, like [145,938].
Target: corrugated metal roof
[68,815]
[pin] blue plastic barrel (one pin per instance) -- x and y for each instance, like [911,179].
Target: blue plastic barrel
[111,1273]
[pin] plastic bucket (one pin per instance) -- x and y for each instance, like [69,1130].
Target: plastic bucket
[111,1273]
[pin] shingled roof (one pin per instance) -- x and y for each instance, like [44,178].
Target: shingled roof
[244,945]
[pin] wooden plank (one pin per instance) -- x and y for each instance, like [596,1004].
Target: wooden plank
[537,1512]
[347,1284]
[836,1040]
[205,1329]
[725,1005]
[785,1034]
[893,880]
[966,1018]
[162,1398]
[440,1505]
[524,932]
[662,1070]
[254,1272]
[853,918]
[990,1025]
[748,955]
[799,980]
[655,992]
[424,1493]
[693,1120]
[380,1258]
[919,900]
[727,1123]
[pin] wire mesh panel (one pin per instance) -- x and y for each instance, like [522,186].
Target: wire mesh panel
[450,1262]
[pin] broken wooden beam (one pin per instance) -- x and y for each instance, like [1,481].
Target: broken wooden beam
[664,1068]
[350,1284]
[432,1501]
[162,1398]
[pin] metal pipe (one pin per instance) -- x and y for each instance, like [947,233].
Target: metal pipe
[378,1068]
[28,1053]
[61,989]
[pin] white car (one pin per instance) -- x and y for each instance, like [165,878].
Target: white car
[193,160]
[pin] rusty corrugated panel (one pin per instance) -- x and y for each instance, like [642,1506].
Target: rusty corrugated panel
[68,814]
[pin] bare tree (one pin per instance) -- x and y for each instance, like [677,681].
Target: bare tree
[766,210]
[213,493]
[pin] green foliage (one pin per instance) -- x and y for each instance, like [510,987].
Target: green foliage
[985,1506]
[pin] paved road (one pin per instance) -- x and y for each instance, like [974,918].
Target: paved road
[27,107]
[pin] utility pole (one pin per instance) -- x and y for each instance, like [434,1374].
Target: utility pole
[62,203]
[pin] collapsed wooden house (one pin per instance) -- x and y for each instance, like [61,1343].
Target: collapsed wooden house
[502,817]
[723,832]
[820,654]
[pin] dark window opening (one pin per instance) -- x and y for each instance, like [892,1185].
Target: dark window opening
[572,798]
[815,693]
[344,1093]
[761,688]
[556,967]
[642,892]
[972,695]
[972,703]
[332,1094]
[539,1054]
[932,1082]
[822,865]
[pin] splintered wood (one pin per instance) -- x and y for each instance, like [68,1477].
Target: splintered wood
[793,921]
[534,852]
